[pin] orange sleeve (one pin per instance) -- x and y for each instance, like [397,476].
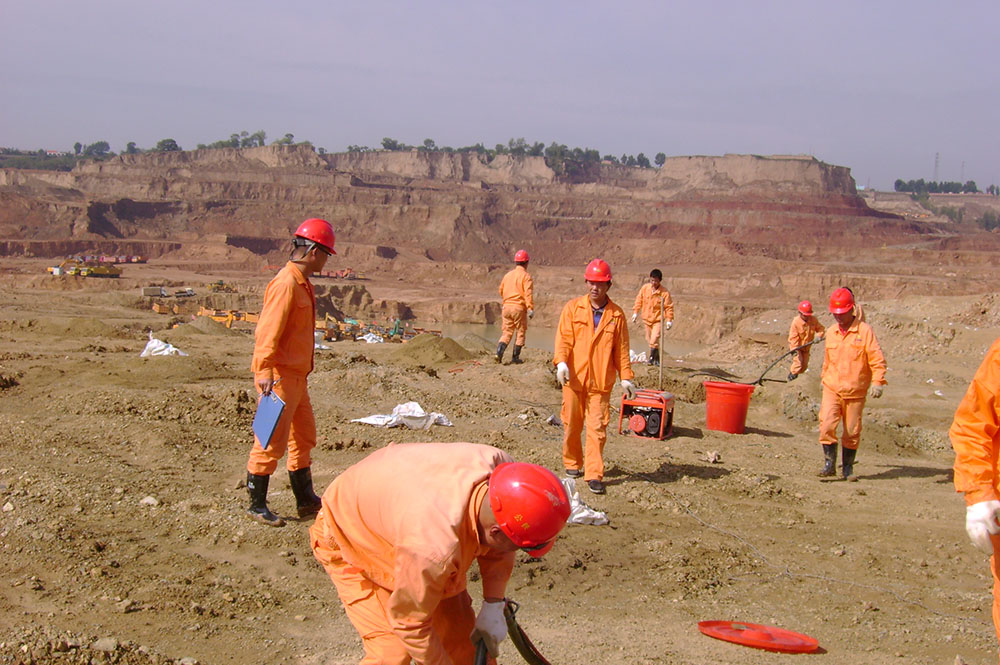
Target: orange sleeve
[419,589]
[495,568]
[974,433]
[279,299]
[529,286]
[876,360]
[794,333]
[668,306]
[564,335]
[622,359]
[639,297]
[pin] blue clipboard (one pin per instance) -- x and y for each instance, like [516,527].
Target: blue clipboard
[269,410]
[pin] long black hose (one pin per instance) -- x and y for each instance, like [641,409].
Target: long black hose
[760,379]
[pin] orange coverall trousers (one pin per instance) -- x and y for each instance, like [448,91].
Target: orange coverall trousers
[835,410]
[295,432]
[515,320]
[652,334]
[800,361]
[591,410]
[366,606]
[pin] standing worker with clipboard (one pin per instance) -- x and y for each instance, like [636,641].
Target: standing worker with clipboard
[282,359]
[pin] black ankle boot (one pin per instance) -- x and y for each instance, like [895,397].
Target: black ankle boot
[829,461]
[654,356]
[847,462]
[257,489]
[306,500]
[501,347]
[515,356]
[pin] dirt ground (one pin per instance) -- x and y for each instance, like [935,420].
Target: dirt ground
[124,540]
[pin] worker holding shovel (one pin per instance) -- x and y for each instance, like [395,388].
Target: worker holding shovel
[654,304]
[804,329]
[282,359]
[518,306]
[399,530]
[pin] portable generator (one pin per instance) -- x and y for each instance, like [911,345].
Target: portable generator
[650,413]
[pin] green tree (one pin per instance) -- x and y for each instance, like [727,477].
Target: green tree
[97,149]
[77,147]
[167,145]
[429,145]
[642,160]
[131,149]
[660,159]
[970,187]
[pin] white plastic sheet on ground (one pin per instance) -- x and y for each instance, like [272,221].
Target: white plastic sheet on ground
[371,338]
[410,414]
[581,513]
[637,357]
[157,347]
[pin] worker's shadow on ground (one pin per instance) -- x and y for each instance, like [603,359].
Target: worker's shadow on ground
[894,471]
[767,432]
[667,473]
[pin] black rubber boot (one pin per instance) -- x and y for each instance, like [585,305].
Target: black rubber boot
[515,356]
[306,500]
[829,461]
[654,356]
[847,464]
[257,488]
[501,347]
[792,377]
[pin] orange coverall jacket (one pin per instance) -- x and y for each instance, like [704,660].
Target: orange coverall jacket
[975,433]
[594,356]
[802,332]
[516,288]
[284,338]
[853,360]
[647,302]
[406,516]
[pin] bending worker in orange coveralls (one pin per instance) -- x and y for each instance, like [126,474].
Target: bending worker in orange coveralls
[518,306]
[400,529]
[975,436]
[591,348]
[647,303]
[853,361]
[804,329]
[282,359]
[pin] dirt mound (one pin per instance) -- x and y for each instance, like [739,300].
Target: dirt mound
[202,325]
[430,349]
[477,344]
[68,327]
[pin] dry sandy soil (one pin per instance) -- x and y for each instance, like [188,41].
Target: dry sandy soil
[96,571]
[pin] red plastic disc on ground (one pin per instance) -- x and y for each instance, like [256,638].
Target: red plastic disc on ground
[637,423]
[758,636]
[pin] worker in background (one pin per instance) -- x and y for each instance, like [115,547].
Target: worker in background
[804,329]
[975,436]
[859,313]
[853,367]
[647,303]
[518,307]
[591,349]
[282,359]
[400,529]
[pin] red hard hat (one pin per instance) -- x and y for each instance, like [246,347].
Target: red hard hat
[521,256]
[530,505]
[597,271]
[806,307]
[841,301]
[318,231]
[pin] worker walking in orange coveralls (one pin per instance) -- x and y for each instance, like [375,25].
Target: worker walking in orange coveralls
[975,436]
[518,306]
[282,359]
[399,530]
[648,304]
[804,329]
[853,366]
[591,348]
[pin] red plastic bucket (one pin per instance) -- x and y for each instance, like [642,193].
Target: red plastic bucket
[726,406]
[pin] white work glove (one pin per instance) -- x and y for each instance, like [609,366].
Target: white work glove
[531,313]
[562,373]
[669,324]
[635,315]
[629,389]
[875,392]
[491,627]
[980,522]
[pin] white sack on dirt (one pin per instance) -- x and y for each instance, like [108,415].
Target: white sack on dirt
[157,347]
[410,414]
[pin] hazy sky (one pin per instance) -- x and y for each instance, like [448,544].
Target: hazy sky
[880,87]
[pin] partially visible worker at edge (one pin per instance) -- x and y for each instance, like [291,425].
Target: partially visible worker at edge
[804,329]
[282,359]
[400,529]
[853,367]
[518,306]
[859,313]
[647,303]
[975,436]
[591,348]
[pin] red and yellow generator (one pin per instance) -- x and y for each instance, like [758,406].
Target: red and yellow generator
[649,414]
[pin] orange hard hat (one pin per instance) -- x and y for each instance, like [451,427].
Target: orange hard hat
[841,301]
[317,231]
[530,505]
[521,256]
[597,271]
[806,307]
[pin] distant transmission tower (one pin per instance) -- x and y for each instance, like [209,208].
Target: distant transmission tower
[937,161]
